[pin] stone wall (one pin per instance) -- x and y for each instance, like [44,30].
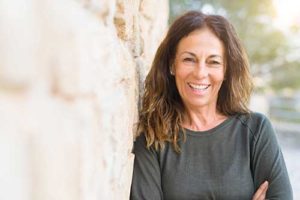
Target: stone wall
[70,79]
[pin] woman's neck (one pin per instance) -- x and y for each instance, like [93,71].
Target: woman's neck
[202,119]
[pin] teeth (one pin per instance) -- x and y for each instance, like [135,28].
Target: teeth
[198,87]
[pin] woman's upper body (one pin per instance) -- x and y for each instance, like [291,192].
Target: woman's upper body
[228,162]
[199,139]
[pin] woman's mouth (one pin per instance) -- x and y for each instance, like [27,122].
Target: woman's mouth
[199,87]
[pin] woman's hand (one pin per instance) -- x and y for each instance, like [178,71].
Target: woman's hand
[261,192]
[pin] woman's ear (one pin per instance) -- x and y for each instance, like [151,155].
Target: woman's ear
[172,70]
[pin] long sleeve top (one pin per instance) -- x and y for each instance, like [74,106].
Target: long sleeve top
[228,162]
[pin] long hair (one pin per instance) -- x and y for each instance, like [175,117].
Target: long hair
[161,114]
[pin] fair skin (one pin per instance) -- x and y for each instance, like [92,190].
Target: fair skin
[199,74]
[199,70]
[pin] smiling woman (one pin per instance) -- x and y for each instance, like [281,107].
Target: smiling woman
[199,73]
[195,131]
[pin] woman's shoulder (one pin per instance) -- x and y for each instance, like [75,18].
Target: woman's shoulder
[140,144]
[140,139]
[253,118]
[256,122]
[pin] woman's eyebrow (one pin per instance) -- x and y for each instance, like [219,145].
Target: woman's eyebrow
[194,55]
[215,56]
[190,53]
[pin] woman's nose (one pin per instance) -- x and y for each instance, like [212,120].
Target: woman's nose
[200,70]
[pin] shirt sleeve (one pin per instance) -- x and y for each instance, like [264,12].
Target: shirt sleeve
[146,180]
[268,163]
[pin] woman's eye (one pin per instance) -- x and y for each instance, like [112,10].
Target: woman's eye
[214,62]
[189,60]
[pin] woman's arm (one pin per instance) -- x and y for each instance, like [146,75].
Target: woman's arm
[146,180]
[268,163]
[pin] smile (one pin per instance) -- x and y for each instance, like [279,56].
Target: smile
[200,87]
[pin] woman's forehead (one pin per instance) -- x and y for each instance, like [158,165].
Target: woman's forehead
[199,42]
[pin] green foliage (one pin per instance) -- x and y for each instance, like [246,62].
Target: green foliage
[287,76]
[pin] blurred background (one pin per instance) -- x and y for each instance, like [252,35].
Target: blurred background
[72,72]
[270,31]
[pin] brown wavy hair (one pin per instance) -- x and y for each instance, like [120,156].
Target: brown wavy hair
[162,109]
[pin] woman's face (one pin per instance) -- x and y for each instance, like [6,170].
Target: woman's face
[199,68]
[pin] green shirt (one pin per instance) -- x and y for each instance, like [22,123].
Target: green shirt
[227,162]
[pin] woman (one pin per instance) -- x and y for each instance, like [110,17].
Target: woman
[197,138]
